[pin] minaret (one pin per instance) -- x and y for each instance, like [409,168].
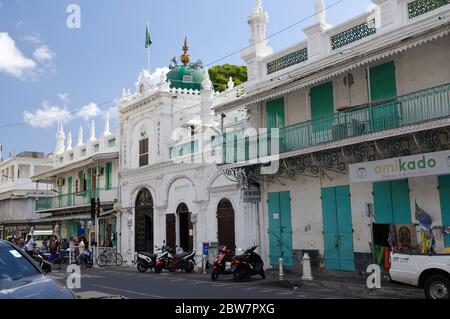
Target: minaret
[69,142]
[230,84]
[92,132]
[60,137]
[206,98]
[106,127]
[80,136]
[259,48]
[319,11]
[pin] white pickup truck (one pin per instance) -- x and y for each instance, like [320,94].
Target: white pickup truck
[430,272]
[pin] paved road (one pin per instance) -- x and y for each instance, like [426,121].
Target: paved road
[132,284]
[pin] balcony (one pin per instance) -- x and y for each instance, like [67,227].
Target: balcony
[415,108]
[76,199]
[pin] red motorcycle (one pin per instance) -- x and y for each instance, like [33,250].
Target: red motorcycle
[172,262]
[219,267]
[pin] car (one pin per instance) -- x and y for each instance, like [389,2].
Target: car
[22,278]
[428,271]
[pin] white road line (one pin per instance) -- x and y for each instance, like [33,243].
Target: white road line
[285,293]
[219,285]
[266,290]
[128,291]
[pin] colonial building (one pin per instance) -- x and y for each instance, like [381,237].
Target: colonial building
[18,194]
[374,88]
[169,190]
[81,175]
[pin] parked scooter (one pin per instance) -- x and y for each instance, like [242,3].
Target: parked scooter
[44,264]
[247,265]
[220,262]
[172,262]
[146,260]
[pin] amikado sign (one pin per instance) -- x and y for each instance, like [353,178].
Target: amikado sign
[401,167]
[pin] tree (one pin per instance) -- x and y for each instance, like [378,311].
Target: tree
[220,74]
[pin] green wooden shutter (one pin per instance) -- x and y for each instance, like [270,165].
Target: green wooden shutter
[89,183]
[108,175]
[382,202]
[345,228]
[322,106]
[286,228]
[69,191]
[383,87]
[444,194]
[401,208]
[330,229]
[275,117]
[274,228]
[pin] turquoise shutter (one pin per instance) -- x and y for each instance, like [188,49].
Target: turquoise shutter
[275,118]
[69,191]
[108,175]
[274,228]
[401,208]
[331,254]
[286,228]
[382,202]
[444,194]
[322,106]
[345,228]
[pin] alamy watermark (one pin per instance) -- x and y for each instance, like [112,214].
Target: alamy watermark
[374,279]
[74,19]
[73,281]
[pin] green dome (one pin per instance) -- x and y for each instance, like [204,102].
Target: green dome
[185,77]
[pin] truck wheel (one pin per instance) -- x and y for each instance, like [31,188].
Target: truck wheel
[437,287]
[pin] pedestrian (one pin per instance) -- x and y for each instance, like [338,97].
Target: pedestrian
[64,244]
[29,245]
[81,249]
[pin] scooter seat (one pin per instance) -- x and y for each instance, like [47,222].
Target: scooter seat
[181,255]
[148,254]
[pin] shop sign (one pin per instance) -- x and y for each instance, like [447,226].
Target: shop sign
[427,164]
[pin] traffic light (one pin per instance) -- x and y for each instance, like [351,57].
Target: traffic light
[93,208]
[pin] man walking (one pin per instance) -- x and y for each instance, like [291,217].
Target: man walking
[29,245]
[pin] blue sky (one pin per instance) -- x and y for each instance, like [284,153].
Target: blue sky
[47,68]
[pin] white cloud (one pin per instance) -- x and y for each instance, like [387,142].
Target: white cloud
[113,112]
[88,111]
[43,53]
[34,38]
[47,115]
[63,97]
[156,76]
[12,61]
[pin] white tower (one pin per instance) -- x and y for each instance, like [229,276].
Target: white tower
[206,98]
[259,48]
[106,131]
[80,136]
[69,142]
[92,132]
[60,137]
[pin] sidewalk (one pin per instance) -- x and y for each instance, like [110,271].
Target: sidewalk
[345,283]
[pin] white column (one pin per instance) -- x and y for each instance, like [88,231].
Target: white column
[390,13]
[31,170]
[16,171]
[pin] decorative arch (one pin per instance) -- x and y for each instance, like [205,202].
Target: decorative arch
[185,231]
[176,178]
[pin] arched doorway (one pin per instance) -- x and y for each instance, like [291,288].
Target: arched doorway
[143,224]
[185,227]
[225,224]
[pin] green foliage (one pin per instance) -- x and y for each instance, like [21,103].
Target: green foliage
[220,74]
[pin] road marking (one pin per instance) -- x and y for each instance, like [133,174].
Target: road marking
[266,290]
[249,288]
[285,293]
[219,285]
[128,291]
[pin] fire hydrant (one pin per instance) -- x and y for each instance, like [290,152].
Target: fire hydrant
[306,263]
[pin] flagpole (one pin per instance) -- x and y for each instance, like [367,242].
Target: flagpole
[148,51]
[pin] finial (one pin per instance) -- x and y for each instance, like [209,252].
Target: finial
[69,142]
[92,133]
[185,58]
[80,136]
[230,83]
[207,84]
[106,128]
[319,11]
[258,7]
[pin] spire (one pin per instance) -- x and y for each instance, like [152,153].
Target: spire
[320,12]
[106,128]
[92,133]
[185,58]
[69,142]
[80,136]
[230,84]
[206,84]
[60,137]
[258,7]
[258,21]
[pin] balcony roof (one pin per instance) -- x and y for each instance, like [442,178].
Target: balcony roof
[46,177]
[300,76]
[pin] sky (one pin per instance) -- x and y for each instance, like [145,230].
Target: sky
[51,73]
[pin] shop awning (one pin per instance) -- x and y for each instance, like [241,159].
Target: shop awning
[63,218]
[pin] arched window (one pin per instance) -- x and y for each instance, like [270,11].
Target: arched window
[143,152]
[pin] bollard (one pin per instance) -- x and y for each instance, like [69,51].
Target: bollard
[204,264]
[281,268]
[306,263]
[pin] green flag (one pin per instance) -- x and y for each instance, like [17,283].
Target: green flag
[148,41]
